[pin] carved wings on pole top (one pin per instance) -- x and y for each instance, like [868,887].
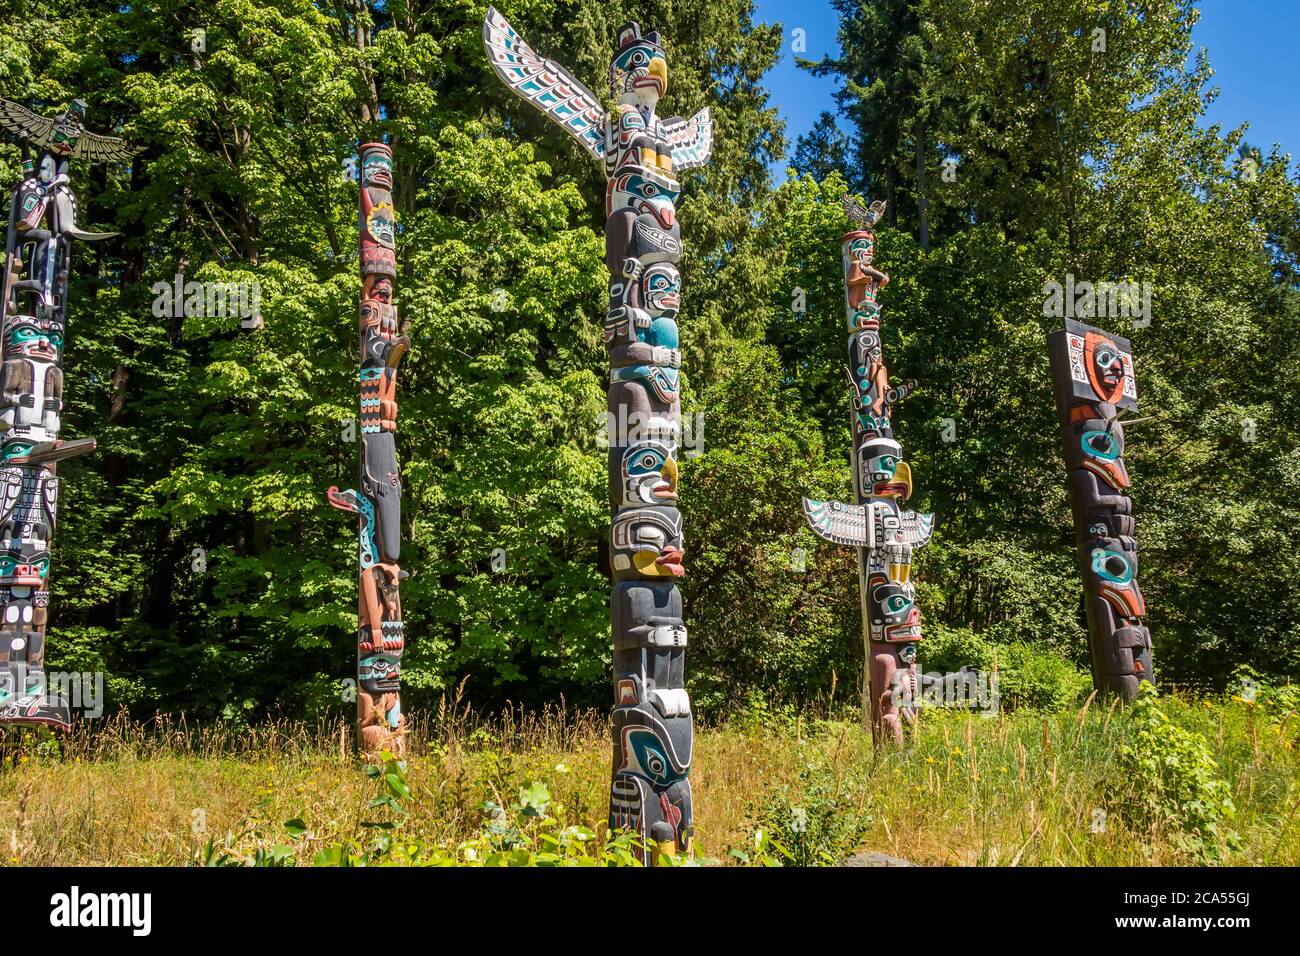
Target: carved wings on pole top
[691,140]
[40,132]
[865,217]
[546,85]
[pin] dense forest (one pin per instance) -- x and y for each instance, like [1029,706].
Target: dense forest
[198,565]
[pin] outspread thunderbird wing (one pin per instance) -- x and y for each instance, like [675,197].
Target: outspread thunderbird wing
[35,129]
[545,84]
[691,140]
[838,523]
[104,149]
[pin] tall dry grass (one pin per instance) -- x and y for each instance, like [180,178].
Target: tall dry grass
[1021,789]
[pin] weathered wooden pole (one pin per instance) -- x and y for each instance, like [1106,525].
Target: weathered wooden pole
[641,155]
[377,500]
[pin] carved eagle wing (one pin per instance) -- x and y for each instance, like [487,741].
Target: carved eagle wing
[691,140]
[545,84]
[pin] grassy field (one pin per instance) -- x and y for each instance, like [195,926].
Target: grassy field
[1201,780]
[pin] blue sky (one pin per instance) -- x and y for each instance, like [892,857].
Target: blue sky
[1251,45]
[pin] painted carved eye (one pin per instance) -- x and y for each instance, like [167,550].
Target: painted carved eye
[1105,356]
[1101,445]
[896,603]
[650,536]
[638,58]
[1111,566]
[647,463]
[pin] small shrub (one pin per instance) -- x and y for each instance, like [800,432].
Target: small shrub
[1167,784]
[819,826]
[1030,676]
[949,649]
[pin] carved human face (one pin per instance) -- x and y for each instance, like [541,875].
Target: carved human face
[23,570]
[381,223]
[379,288]
[661,287]
[377,169]
[31,339]
[862,250]
[380,673]
[1105,365]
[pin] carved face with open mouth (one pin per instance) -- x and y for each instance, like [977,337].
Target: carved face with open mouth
[647,543]
[649,473]
[662,290]
[638,73]
[19,570]
[377,168]
[862,250]
[882,471]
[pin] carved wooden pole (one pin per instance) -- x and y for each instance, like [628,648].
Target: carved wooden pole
[33,323]
[377,501]
[641,155]
[883,532]
[1092,376]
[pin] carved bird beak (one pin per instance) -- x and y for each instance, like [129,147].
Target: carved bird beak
[659,68]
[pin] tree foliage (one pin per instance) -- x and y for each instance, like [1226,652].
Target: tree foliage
[197,564]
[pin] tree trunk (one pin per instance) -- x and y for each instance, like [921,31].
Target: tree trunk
[922,220]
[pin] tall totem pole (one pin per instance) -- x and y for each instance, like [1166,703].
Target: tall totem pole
[33,320]
[882,531]
[377,501]
[641,153]
[1092,376]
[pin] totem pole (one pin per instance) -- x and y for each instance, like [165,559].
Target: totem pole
[883,532]
[377,501]
[650,793]
[1092,376]
[33,317]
